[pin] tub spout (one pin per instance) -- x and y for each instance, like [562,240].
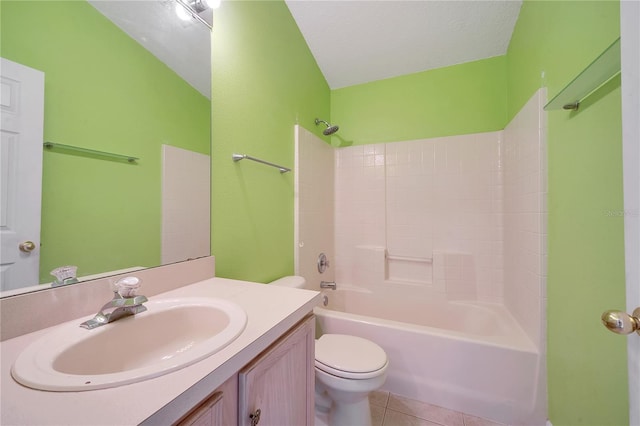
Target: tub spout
[328,284]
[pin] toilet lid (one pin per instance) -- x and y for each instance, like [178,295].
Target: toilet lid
[349,356]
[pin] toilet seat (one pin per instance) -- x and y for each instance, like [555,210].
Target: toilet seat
[349,357]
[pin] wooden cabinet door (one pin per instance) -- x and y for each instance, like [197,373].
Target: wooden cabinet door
[219,409]
[209,413]
[280,382]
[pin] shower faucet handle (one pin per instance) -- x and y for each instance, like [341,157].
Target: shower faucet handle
[323,263]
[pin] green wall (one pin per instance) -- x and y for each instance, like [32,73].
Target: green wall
[265,80]
[587,375]
[103,91]
[455,100]
[552,42]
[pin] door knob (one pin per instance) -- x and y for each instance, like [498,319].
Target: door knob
[27,246]
[255,417]
[621,322]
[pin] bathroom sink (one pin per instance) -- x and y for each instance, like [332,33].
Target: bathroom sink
[171,334]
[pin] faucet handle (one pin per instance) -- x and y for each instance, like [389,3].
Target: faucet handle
[65,275]
[127,286]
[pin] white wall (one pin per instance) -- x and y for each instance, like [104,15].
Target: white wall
[314,223]
[525,213]
[186,205]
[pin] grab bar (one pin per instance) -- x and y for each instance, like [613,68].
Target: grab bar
[238,157]
[410,258]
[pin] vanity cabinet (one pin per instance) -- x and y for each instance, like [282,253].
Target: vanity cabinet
[209,413]
[276,388]
[218,409]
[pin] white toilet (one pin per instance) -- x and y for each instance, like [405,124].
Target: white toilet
[348,368]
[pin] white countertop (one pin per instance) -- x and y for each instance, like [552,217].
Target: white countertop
[271,311]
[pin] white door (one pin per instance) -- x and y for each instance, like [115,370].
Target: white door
[21,128]
[630,50]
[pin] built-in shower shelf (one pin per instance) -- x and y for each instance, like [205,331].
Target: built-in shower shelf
[599,72]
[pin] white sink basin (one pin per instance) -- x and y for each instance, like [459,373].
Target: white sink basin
[171,334]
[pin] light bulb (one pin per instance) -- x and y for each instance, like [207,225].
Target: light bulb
[182,12]
[213,4]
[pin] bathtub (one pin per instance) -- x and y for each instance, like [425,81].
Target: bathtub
[466,356]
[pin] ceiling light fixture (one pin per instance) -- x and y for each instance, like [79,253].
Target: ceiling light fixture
[213,4]
[187,9]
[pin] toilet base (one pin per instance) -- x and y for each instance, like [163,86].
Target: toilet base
[322,418]
[354,408]
[322,401]
[349,414]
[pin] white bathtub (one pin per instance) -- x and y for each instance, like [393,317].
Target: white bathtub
[465,356]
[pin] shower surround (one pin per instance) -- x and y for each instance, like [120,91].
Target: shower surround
[434,206]
[462,216]
[449,220]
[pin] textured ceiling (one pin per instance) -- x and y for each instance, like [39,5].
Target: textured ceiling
[184,46]
[360,41]
[353,41]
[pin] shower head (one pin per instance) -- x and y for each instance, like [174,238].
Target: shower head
[329,130]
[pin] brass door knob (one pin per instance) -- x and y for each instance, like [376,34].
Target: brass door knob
[255,417]
[27,246]
[621,322]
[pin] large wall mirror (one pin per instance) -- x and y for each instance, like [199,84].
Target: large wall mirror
[123,77]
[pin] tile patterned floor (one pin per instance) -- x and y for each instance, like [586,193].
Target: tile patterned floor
[393,410]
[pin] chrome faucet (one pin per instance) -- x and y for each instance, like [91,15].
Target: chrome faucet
[124,303]
[328,284]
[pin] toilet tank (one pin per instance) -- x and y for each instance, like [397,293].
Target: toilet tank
[293,281]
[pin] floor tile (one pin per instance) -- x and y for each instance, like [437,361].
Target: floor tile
[425,411]
[377,415]
[379,398]
[393,410]
[395,418]
[477,421]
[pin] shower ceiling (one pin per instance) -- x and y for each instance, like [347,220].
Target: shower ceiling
[359,41]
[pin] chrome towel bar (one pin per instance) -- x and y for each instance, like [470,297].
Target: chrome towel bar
[238,157]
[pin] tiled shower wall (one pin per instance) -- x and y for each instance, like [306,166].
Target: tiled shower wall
[360,209]
[467,210]
[419,197]
[463,217]
[525,235]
